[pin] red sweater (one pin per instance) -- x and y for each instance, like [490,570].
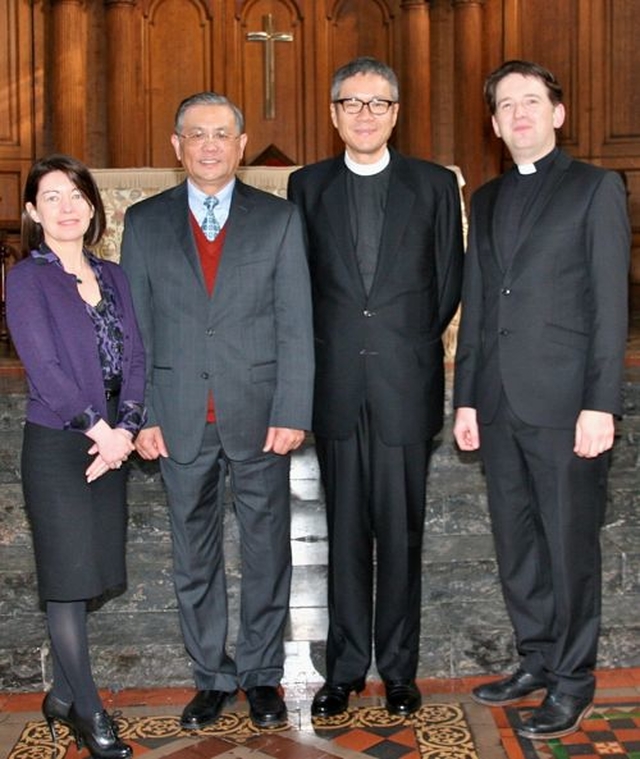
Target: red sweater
[209,252]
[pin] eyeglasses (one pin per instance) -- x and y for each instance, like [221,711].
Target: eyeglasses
[200,136]
[376,106]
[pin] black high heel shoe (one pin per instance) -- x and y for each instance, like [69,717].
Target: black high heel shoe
[55,709]
[99,734]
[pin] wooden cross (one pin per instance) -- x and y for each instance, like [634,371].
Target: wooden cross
[269,37]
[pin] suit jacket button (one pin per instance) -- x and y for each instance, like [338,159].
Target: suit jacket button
[210,332]
[369,314]
[205,375]
[506,291]
[504,332]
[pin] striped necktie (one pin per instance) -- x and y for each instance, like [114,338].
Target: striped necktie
[210,225]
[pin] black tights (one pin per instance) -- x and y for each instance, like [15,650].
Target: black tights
[72,678]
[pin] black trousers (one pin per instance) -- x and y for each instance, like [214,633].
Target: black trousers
[547,507]
[375,496]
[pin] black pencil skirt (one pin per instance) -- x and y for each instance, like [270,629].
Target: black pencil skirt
[79,529]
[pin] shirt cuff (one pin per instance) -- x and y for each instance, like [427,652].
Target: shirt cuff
[84,421]
[132,416]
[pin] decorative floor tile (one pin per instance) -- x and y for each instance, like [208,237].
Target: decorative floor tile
[436,731]
[612,730]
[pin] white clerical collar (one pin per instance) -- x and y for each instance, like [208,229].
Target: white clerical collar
[540,165]
[367,169]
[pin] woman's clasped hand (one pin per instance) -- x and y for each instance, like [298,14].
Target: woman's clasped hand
[111,447]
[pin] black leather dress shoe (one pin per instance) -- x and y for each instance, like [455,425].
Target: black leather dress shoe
[266,706]
[203,709]
[510,690]
[558,715]
[333,698]
[403,697]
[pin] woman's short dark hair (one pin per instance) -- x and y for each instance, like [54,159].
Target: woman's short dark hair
[524,68]
[80,176]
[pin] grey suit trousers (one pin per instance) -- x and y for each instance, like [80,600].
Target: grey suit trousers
[260,490]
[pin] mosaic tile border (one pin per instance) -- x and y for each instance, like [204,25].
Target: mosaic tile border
[436,731]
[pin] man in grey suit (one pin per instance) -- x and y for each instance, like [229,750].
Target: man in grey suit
[538,384]
[220,284]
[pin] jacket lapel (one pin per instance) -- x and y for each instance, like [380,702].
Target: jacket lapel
[492,224]
[179,219]
[336,222]
[400,201]
[240,235]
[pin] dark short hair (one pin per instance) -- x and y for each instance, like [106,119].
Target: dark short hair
[364,65]
[80,176]
[524,68]
[207,98]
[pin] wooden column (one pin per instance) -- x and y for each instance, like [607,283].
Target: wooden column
[415,79]
[69,76]
[125,107]
[470,112]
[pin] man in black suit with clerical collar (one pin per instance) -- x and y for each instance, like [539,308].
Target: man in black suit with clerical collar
[537,386]
[385,255]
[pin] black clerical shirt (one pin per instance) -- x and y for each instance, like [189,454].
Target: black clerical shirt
[517,192]
[367,202]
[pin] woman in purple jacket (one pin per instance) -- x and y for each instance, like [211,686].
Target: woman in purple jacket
[72,322]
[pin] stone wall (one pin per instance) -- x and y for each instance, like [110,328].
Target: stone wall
[136,640]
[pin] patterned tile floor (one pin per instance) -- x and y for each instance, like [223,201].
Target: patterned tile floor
[449,726]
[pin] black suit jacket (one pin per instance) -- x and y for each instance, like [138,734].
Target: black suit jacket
[550,328]
[384,348]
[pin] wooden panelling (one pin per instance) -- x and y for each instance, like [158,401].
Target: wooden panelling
[360,27]
[414,29]
[12,176]
[9,78]
[614,101]
[632,179]
[144,56]
[16,116]
[468,84]
[178,63]
[69,80]
[125,126]
[16,79]
[615,93]
[442,114]
[271,41]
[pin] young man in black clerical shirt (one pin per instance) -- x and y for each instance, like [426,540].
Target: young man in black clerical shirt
[538,380]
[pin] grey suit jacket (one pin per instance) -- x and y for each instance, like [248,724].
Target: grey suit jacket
[551,328]
[250,343]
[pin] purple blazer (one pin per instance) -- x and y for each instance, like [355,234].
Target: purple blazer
[56,341]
